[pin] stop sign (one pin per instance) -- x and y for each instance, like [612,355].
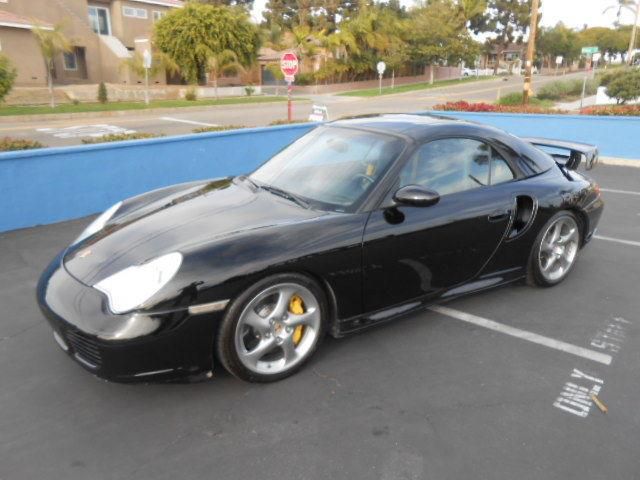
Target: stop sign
[289,64]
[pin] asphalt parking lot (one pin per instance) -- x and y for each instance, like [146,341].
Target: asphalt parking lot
[432,396]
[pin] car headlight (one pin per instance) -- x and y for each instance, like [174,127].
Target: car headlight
[99,223]
[131,287]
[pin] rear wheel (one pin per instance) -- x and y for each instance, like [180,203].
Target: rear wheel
[555,250]
[273,328]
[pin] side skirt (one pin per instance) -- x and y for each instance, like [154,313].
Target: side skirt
[360,323]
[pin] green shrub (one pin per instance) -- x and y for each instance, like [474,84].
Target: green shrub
[287,122]
[562,89]
[218,128]
[303,79]
[103,96]
[515,99]
[249,90]
[8,144]
[75,101]
[191,94]
[8,75]
[625,87]
[119,137]
[610,74]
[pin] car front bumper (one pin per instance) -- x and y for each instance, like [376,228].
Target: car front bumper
[180,345]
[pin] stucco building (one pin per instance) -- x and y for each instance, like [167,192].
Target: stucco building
[104,34]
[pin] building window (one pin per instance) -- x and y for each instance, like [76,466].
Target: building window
[70,60]
[158,15]
[134,12]
[99,20]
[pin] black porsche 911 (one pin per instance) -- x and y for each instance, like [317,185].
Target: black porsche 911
[356,223]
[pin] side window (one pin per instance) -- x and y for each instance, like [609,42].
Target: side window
[449,165]
[500,170]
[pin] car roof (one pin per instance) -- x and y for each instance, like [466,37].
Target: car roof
[425,127]
[413,126]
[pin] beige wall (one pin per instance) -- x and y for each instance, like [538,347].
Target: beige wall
[73,15]
[127,29]
[22,49]
[101,64]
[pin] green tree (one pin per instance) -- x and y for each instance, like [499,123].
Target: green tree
[508,20]
[625,87]
[8,75]
[223,62]
[439,35]
[558,41]
[193,35]
[248,4]
[52,42]
[609,41]
[279,12]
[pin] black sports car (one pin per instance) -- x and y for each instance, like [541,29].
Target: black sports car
[356,223]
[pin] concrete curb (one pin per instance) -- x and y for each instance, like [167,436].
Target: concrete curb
[619,162]
[13,119]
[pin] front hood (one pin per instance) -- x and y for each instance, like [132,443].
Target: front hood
[179,219]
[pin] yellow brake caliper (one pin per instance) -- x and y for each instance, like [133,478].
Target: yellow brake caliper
[296,306]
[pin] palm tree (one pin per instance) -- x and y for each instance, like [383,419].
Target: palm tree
[620,5]
[632,6]
[161,62]
[51,42]
[221,62]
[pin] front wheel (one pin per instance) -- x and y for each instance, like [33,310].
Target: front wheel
[555,250]
[273,328]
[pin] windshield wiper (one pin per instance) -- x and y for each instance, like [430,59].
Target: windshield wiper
[284,194]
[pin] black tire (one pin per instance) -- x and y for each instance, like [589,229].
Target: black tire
[535,273]
[225,344]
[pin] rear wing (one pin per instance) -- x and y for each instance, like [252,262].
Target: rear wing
[576,152]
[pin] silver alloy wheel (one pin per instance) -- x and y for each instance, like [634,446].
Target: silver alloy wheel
[265,333]
[558,248]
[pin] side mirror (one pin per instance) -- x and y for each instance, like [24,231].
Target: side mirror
[416,196]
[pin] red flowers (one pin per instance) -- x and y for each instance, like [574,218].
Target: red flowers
[489,107]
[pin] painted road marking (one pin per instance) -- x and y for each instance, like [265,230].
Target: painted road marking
[85,131]
[525,335]
[626,192]
[190,122]
[579,394]
[576,399]
[618,240]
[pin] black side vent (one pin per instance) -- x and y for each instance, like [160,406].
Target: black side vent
[525,212]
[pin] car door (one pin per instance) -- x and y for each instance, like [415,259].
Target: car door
[411,251]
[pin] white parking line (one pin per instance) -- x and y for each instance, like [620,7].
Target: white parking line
[190,122]
[626,192]
[525,335]
[618,240]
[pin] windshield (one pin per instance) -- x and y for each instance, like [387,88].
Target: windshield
[331,167]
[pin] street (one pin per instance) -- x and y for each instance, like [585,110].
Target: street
[486,388]
[183,121]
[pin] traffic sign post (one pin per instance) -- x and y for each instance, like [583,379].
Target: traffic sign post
[146,63]
[381,67]
[289,68]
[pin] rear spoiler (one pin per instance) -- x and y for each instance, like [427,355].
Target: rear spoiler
[576,152]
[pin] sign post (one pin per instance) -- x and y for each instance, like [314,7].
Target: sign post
[381,67]
[146,63]
[559,59]
[289,68]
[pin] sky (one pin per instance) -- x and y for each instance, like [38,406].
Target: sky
[573,13]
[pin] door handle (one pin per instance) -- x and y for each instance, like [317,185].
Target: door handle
[499,215]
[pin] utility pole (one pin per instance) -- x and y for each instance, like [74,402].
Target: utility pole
[632,42]
[531,46]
